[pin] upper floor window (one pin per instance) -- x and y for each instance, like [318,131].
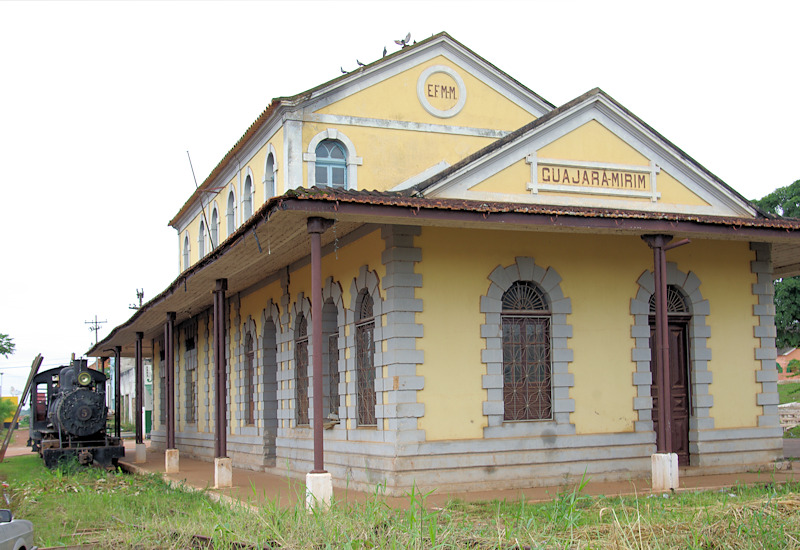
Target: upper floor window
[269,177]
[331,167]
[527,367]
[230,214]
[213,229]
[247,198]
[201,241]
[186,252]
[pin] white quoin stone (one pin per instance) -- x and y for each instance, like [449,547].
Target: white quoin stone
[223,473]
[665,471]
[319,490]
[172,461]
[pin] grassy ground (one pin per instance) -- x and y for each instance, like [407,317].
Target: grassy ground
[789,392]
[109,510]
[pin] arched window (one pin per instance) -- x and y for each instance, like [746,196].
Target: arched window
[365,360]
[213,228]
[269,177]
[676,303]
[201,241]
[249,374]
[186,252]
[301,369]
[330,356]
[247,198]
[527,367]
[230,214]
[331,164]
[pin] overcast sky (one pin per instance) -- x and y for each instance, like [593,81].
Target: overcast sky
[100,101]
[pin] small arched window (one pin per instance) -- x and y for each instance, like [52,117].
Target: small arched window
[331,164]
[365,360]
[186,252]
[676,303]
[249,375]
[247,198]
[527,365]
[213,229]
[201,241]
[269,178]
[230,214]
[301,369]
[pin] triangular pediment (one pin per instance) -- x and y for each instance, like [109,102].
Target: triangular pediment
[438,82]
[591,152]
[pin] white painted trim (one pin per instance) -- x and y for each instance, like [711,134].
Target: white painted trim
[353,161]
[366,122]
[292,157]
[229,230]
[186,256]
[422,176]
[270,152]
[214,210]
[423,98]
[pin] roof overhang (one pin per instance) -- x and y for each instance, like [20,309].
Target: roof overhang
[276,238]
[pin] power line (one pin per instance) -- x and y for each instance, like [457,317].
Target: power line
[95,327]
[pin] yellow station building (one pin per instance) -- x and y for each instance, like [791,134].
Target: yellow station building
[488,282]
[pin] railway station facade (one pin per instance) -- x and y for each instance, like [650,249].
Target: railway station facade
[489,266]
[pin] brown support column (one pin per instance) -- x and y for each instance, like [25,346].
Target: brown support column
[659,244]
[169,365]
[117,391]
[316,227]
[139,388]
[220,378]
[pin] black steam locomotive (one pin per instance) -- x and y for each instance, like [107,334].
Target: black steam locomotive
[68,416]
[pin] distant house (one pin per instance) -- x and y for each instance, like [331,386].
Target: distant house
[484,268]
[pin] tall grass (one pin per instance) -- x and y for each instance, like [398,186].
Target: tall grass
[71,506]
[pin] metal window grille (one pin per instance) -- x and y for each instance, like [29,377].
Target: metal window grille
[527,365]
[365,362]
[333,373]
[249,360]
[191,377]
[676,303]
[301,370]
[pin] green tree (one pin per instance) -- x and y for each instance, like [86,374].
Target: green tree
[6,345]
[785,201]
[7,410]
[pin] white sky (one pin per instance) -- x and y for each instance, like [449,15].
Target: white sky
[100,101]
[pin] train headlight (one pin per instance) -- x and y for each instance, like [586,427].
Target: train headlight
[84,379]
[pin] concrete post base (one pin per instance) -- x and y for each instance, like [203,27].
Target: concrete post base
[665,471]
[140,454]
[223,473]
[172,461]
[319,490]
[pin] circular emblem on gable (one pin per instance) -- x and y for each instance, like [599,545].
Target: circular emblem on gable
[441,91]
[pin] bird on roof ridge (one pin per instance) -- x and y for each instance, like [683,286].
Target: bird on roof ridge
[360,64]
[342,69]
[404,42]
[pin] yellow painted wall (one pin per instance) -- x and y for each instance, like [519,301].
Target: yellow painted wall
[455,267]
[674,192]
[393,156]
[724,269]
[396,99]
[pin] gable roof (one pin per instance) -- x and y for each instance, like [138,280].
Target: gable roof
[281,104]
[739,203]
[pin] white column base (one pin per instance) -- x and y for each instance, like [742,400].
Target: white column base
[665,471]
[223,473]
[140,454]
[319,490]
[172,461]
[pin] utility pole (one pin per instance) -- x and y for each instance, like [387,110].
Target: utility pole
[95,326]
[139,296]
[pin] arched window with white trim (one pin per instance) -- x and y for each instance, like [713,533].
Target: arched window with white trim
[247,198]
[213,229]
[201,241]
[230,214]
[186,251]
[269,177]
